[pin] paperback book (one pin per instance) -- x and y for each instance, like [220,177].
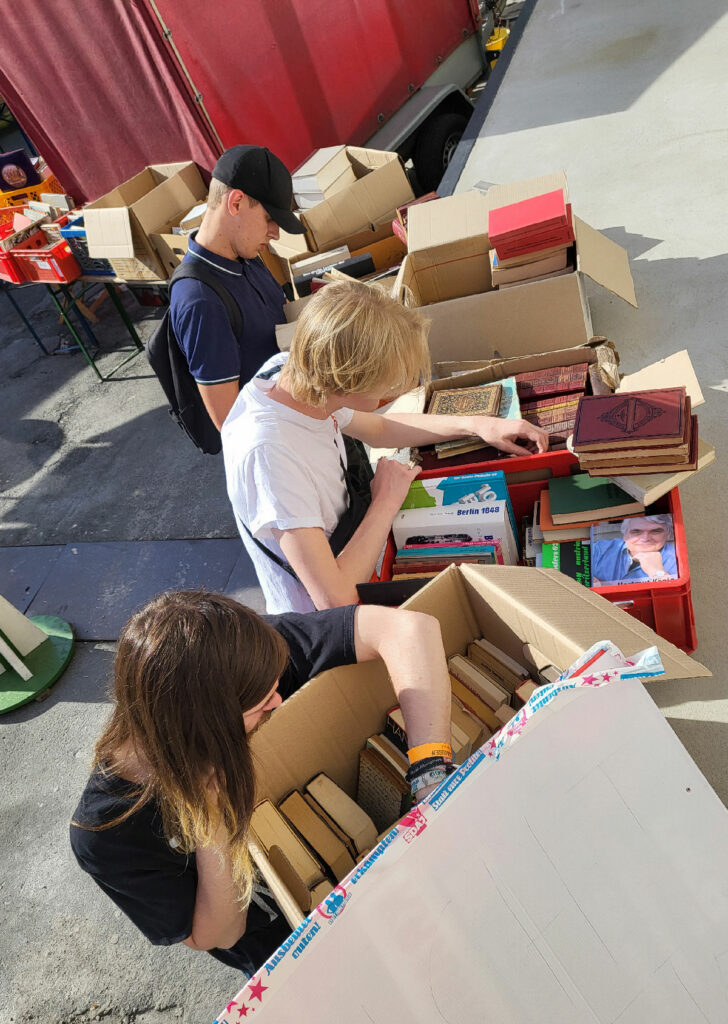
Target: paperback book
[571,557]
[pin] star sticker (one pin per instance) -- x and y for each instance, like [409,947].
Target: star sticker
[258,989]
[606,676]
[230,1005]
[589,680]
[243,1011]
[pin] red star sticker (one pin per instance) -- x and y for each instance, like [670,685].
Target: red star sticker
[606,676]
[243,1011]
[589,680]
[258,989]
[230,1005]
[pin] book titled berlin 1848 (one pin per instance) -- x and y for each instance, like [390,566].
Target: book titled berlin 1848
[482,400]
[632,419]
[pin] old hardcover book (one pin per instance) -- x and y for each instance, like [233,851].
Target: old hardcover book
[478,681]
[648,487]
[394,728]
[447,449]
[474,704]
[551,531]
[581,498]
[327,846]
[381,792]
[565,401]
[482,400]
[636,419]
[556,380]
[476,731]
[526,690]
[507,671]
[551,264]
[527,217]
[346,813]
[504,714]
[386,749]
[686,463]
[572,558]
[271,829]
[329,821]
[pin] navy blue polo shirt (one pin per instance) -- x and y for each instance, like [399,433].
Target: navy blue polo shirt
[202,327]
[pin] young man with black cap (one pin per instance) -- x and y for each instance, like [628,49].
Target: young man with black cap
[249,200]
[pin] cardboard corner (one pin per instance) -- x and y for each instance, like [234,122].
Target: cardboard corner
[671,372]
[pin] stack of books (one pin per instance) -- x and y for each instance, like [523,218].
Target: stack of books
[560,535]
[550,399]
[424,561]
[459,512]
[636,432]
[530,240]
[497,399]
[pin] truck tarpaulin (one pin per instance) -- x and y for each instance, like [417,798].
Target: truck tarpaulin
[98,92]
[104,89]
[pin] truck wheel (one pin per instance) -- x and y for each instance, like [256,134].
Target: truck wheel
[435,146]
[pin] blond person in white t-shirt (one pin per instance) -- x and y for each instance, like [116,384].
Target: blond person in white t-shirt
[288,475]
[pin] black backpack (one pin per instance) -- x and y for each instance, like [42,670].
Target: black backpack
[168,361]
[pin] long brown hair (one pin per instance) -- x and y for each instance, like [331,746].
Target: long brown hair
[188,665]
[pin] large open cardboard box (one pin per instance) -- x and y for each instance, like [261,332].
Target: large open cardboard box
[362,212]
[447,270]
[578,878]
[120,224]
[325,725]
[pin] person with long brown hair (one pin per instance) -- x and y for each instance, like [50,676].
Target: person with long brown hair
[162,825]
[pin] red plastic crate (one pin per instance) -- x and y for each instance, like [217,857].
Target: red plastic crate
[54,263]
[666,607]
[10,270]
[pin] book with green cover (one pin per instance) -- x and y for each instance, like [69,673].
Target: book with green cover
[572,558]
[579,497]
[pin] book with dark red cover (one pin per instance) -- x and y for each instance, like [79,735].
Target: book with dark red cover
[688,463]
[633,419]
[555,380]
[569,400]
[530,216]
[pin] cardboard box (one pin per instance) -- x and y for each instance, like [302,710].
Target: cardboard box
[120,224]
[588,847]
[282,259]
[362,212]
[507,604]
[562,883]
[326,172]
[447,269]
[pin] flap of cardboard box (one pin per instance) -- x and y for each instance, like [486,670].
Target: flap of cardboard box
[543,607]
[171,198]
[604,261]
[109,232]
[671,372]
[517,191]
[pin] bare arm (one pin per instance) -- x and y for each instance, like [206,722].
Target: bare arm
[219,399]
[410,645]
[219,919]
[330,581]
[397,430]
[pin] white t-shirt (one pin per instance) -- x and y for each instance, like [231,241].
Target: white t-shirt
[283,472]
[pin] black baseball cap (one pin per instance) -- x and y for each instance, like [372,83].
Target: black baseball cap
[261,175]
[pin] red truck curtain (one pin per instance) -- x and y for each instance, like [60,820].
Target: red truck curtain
[96,90]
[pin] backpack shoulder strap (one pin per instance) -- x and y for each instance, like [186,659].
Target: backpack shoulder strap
[197,270]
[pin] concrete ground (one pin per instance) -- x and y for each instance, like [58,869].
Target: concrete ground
[629,99]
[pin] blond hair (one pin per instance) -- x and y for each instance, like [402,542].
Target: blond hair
[352,338]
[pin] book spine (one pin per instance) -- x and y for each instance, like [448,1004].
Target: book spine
[396,734]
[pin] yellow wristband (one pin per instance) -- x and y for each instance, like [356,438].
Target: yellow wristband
[429,750]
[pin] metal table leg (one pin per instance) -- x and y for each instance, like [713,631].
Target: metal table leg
[111,289]
[25,320]
[63,289]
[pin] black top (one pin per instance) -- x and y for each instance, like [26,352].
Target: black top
[153,883]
